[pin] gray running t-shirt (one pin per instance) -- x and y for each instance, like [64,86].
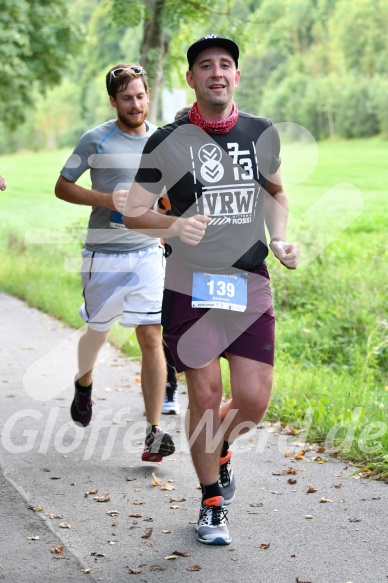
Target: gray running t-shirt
[113,157]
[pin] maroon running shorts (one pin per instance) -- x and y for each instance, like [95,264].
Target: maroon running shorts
[196,336]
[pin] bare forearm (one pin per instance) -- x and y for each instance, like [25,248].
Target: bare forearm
[152,223]
[75,194]
[276,214]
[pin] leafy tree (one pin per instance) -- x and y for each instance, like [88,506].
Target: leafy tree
[37,39]
[162,21]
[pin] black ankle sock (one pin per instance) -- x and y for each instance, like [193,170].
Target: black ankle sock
[171,373]
[210,490]
[225,448]
[81,389]
[153,428]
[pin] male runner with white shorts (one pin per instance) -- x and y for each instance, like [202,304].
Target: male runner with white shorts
[122,271]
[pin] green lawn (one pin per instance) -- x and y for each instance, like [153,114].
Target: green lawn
[331,313]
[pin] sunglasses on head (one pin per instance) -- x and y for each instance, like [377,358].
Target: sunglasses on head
[135,68]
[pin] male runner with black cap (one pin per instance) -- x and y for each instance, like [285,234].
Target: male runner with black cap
[220,168]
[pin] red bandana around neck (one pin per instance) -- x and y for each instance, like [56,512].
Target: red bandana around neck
[213,127]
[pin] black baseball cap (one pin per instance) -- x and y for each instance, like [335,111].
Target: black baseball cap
[212,40]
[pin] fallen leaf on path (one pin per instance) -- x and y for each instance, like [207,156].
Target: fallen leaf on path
[157,568]
[134,571]
[177,500]
[171,558]
[135,515]
[55,477]
[300,581]
[256,505]
[35,508]
[166,531]
[264,546]
[55,515]
[57,550]
[147,533]
[112,512]
[310,489]
[87,570]
[309,516]
[156,481]
[182,554]
[64,525]
[354,519]
[193,568]
[292,481]
[105,498]
[325,500]
[130,479]
[90,492]
[138,502]
[167,487]
[32,538]
[94,554]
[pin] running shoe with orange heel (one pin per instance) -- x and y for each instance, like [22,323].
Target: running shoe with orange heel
[158,444]
[211,526]
[226,480]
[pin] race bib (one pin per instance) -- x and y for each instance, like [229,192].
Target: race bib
[116,220]
[225,292]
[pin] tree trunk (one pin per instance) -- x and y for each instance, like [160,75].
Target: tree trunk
[153,51]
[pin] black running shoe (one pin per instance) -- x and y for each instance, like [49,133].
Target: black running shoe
[81,407]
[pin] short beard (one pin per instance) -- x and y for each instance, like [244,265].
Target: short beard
[132,124]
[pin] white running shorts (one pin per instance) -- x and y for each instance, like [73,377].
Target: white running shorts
[125,286]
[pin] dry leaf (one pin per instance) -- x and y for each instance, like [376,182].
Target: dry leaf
[354,519]
[94,554]
[112,512]
[90,492]
[177,500]
[256,505]
[166,531]
[57,550]
[310,489]
[35,508]
[309,516]
[174,507]
[193,568]
[112,542]
[264,546]
[171,558]
[135,515]
[55,515]
[138,502]
[64,525]
[324,500]
[130,479]
[32,538]
[87,570]
[182,554]
[156,481]
[147,533]
[55,477]
[157,568]
[134,571]
[168,487]
[300,581]
[292,481]
[105,498]
[291,471]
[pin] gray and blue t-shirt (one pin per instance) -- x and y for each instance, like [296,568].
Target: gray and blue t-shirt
[113,157]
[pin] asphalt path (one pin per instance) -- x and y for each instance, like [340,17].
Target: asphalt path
[55,525]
